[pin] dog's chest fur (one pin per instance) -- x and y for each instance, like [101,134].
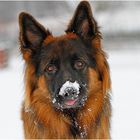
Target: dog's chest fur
[74,128]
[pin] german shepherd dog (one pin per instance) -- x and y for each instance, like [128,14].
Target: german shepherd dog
[67,79]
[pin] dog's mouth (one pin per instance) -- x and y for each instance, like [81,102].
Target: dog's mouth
[62,103]
[70,102]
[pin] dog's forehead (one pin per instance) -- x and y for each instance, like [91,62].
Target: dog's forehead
[51,38]
[68,44]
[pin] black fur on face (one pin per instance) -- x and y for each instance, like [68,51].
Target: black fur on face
[65,63]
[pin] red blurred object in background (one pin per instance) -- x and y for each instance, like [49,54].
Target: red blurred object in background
[3,58]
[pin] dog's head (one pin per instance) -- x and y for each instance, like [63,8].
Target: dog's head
[71,65]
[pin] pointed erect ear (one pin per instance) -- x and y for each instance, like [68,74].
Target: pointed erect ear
[31,32]
[83,23]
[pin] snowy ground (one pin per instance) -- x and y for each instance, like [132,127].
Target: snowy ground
[125,69]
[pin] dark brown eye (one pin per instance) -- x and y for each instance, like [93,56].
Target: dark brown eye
[51,68]
[79,64]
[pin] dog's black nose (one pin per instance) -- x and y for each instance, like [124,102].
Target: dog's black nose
[70,92]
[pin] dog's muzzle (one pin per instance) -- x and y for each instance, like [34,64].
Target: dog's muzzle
[70,91]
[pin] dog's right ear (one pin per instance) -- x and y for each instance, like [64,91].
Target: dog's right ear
[83,23]
[32,33]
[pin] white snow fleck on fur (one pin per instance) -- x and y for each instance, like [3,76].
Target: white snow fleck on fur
[54,100]
[35,122]
[89,109]
[69,84]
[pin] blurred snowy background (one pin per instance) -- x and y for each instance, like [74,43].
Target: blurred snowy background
[120,25]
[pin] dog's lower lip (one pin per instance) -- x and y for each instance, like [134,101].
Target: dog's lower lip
[70,102]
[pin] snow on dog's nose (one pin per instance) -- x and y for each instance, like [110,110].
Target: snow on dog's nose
[69,89]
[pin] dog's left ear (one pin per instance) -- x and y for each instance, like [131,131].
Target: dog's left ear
[32,33]
[83,23]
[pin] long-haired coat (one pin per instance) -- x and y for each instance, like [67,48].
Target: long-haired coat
[67,79]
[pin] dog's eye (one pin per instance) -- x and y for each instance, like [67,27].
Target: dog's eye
[79,64]
[51,68]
